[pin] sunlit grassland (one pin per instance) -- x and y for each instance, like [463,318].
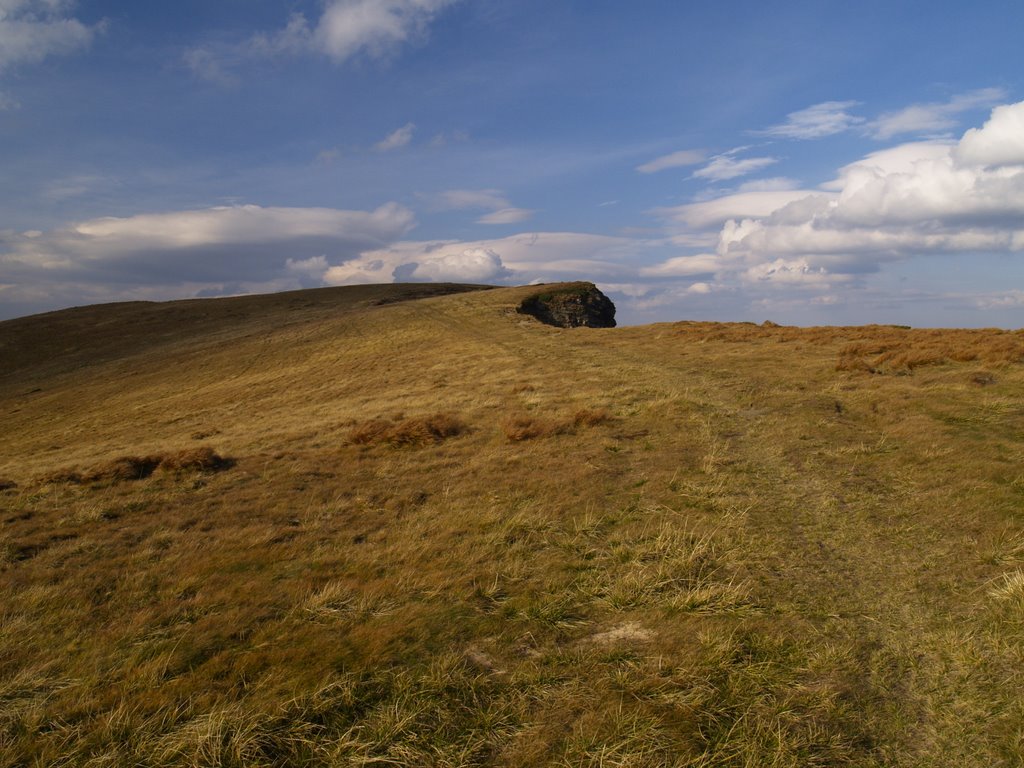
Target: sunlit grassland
[451,535]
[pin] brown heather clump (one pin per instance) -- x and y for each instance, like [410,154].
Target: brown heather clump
[591,417]
[126,468]
[123,468]
[883,349]
[521,427]
[414,431]
[203,459]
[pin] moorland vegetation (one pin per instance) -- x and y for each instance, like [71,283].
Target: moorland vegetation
[408,525]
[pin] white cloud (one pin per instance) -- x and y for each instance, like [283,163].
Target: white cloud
[8,103]
[919,198]
[774,184]
[328,156]
[825,119]
[209,66]
[675,160]
[296,37]
[32,30]
[1006,300]
[344,30]
[727,166]
[314,266]
[537,256]
[213,246]
[901,159]
[742,205]
[348,28]
[501,210]
[789,272]
[458,199]
[397,139]
[75,186]
[472,265]
[1000,142]
[684,266]
[933,117]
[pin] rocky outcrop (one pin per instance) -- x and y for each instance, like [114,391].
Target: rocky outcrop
[573,306]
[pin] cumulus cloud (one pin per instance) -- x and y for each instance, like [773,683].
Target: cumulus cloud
[728,166]
[934,117]
[675,160]
[825,119]
[32,30]
[537,256]
[908,201]
[1000,142]
[472,265]
[397,139]
[917,198]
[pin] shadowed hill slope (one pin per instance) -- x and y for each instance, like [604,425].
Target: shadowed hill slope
[439,532]
[85,335]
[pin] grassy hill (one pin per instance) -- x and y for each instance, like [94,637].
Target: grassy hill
[405,525]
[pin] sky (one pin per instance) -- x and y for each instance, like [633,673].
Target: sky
[805,162]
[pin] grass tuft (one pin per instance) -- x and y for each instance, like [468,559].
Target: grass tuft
[128,468]
[524,427]
[520,427]
[414,431]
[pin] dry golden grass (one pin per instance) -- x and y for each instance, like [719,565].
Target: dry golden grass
[727,553]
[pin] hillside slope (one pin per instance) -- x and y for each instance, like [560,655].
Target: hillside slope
[438,532]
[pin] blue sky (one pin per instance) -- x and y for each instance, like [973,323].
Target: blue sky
[804,162]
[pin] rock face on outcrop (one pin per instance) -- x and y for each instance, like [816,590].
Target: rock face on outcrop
[572,306]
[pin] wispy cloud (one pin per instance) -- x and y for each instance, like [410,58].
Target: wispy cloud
[678,159]
[344,30]
[506,216]
[32,30]
[933,117]
[825,119]
[728,166]
[397,139]
[457,199]
[209,66]
[328,156]
[501,210]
